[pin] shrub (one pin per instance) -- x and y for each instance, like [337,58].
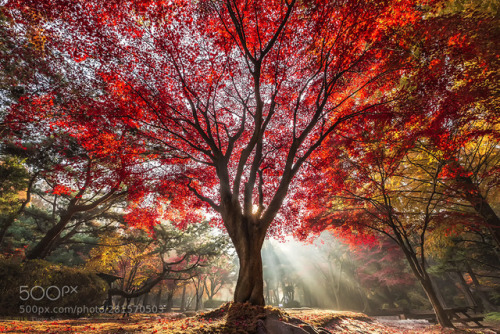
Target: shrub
[292,304]
[492,316]
[213,303]
[41,288]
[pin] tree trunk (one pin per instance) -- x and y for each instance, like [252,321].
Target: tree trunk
[198,300]
[248,236]
[484,209]
[389,296]
[337,289]
[421,274]
[441,315]
[158,297]
[183,299]
[197,294]
[364,298]
[472,194]
[43,248]
[268,296]
[250,284]
[170,300]
[308,300]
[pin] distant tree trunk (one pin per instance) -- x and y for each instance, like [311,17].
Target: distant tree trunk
[189,300]
[307,295]
[199,303]
[332,282]
[389,296]
[276,295]
[158,298]
[337,289]
[283,291]
[214,286]
[170,300]
[183,299]
[126,313]
[198,294]
[267,298]
[364,299]
[145,299]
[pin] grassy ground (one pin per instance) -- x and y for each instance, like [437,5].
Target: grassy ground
[224,320]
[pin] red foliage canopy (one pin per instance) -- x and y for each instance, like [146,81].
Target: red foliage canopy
[238,95]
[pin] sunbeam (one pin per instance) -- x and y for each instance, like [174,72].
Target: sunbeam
[319,274]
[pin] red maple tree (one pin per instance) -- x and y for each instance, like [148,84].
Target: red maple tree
[231,99]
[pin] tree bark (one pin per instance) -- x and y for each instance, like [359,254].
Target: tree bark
[183,299]
[484,209]
[441,315]
[247,235]
[198,293]
[472,194]
[250,287]
[420,272]
[426,283]
[250,284]
[46,245]
[170,300]
[43,248]
[158,297]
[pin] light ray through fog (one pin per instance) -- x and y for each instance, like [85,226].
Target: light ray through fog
[321,274]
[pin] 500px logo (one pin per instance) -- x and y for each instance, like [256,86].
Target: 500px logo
[51,293]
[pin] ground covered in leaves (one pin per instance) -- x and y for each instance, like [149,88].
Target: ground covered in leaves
[238,318]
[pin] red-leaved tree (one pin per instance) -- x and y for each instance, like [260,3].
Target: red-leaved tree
[231,98]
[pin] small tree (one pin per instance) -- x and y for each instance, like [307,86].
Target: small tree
[143,261]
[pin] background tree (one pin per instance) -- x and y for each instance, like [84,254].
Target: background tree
[13,182]
[386,277]
[458,87]
[72,181]
[397,194]
[219,274]
[143,262]
[468,257]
